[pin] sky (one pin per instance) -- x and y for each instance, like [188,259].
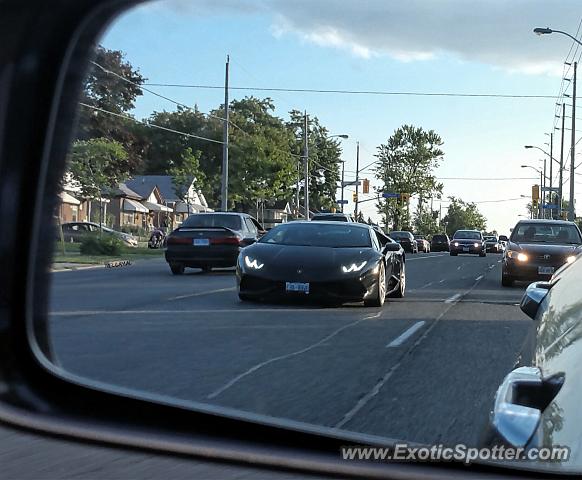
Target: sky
[430,46]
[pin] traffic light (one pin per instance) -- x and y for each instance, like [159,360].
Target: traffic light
[366,186]
[535,193]
[354,197]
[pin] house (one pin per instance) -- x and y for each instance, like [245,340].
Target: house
[127,209]
[270,214]
[179,205]
[75,207]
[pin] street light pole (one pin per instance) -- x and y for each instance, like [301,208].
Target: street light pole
[545,184]
[306,164]
[224,193]
[343,171]
[571,213]
[551,174]
[357,178]
[560,193]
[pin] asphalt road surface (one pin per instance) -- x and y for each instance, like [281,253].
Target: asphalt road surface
[423,368]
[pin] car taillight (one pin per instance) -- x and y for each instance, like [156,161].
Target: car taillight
[225,241]
[179,241]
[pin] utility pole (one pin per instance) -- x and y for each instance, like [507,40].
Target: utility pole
[306,163]
[224,193]
[343,171]
[357,178]
[562,161]
[551,201]
[297,208]
[573,148]
[544,185]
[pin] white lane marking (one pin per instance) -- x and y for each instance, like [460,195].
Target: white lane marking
[75,313]
[498,261]
[427,285]
[376,388]
[406,335]
[258,366]
[479,278]
[459,267]
[442,281]
[454,298]
[424,257]
[199,294]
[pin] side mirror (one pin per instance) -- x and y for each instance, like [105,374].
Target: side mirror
[533,297]
[248,241]
[391,247]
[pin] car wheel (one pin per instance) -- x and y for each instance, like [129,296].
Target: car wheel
[380,294]
[177,268]
[482,254]
[244,297]
[399,292]
[506,280]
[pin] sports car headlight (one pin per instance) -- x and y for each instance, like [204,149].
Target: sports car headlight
[253,263]
[520,257]
[571,258]
[354,267]
[456,244]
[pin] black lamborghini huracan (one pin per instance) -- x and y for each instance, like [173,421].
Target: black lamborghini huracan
[344,262]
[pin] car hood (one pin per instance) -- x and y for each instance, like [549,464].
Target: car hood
[544,248]
[301,264]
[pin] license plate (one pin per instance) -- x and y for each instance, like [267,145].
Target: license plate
[201,242]
[297,287]
[545,270]
[465,249]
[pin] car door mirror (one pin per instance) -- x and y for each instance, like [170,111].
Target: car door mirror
[533,297]
[248,241]
[391,247]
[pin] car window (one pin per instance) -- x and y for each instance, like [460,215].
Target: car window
[319,235]
[546,233]
[250,226]
[210,220]
[467,234]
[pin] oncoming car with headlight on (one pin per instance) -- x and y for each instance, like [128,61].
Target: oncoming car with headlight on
[537,248]
[342,262]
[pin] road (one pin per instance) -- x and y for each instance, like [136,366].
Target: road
[423,368]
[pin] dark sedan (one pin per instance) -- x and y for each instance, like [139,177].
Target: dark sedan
[208,240]
[440,243]
[538,403]
[468,241]
[537,248]
[406,239]
[341,261]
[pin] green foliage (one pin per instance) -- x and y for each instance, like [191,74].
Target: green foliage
[425,223]
[407,163]
[97,164]
[461,215]
[187,173]
[101,245]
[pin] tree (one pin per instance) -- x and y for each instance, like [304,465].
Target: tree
[425,222]
[407,162]
[186,174]
[97,165]
[462,215]
[106,89]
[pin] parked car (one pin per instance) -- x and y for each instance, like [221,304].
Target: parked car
[538,404]
[422,243]
[406,239]
[208,240]
[345,262]
[492,245]
[333,217]
[537,248]
[76,232]
[440,242]
[468,241]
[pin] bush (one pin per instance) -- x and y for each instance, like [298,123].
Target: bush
[104,245]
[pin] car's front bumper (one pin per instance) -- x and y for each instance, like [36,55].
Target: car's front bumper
[528,271]
[198,257]
[469,249]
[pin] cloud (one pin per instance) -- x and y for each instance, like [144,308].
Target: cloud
[495,32]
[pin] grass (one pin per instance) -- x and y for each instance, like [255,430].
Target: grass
[72,254]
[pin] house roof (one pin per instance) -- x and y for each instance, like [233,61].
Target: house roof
[145,184]
[123,190]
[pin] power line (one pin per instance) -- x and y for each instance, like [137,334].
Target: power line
[356,92]
[149,124]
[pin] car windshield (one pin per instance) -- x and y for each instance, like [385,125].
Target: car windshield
[467,235]
[490,239]
[546,233]
[400,235]
[232,222]
[319,235]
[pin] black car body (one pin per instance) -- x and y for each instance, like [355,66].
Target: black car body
[440,243]
[406,239]
[344,262]
[333,217]
[537,248]
[468,241]
[492,245]
[207,240]
[538,403]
